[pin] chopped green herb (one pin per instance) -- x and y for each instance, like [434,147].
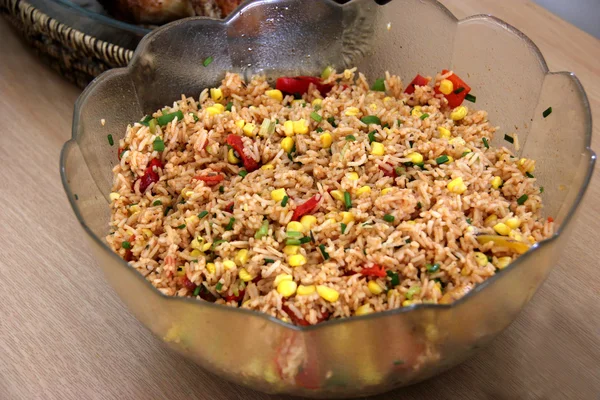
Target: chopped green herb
[327,71]
[485,143]
[319,130]
[110,139]
[207,61]
[547,112]
[400,122]
[182,226]
[412,291]
[146,120]
[521,200]
[400,362]
[305,239]
[385,125]
[229,226]
[509,139]
[76,197]
[317,108]
[371,119]
[347,200]
[166,118]
[152,126]
[419,205]
[196,119]
[394,277]
[388,218]
[243,173]
[218,286]
[304,105]
[197,291]
[431,268]
[350,138]
[157,203]
[379,85]
[459,90]
[269,261]
[221,189]
[541,189]
[158,144]
[294,234]
[442,159]
[464,154]
[372,136]
[343,226]
[167,210]
[331,121]
[262,231]
[203,214]
[469,220]
[424,116]
[529,175]
[420,165]
[126,245]
[293,242]
[316,117]
[217,243]
[400,170]
[229,106]
[284,201]
[277,120]
[407,241]
[470,97]
[323,252]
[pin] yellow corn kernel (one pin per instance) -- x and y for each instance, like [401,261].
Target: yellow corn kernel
[444,133]
[308,221]
[326,140]
[386,99]
[219,107]
[287,288]
[212,110]
[181,270]
[210,267]
[416,111]
[192,220]
[232,158]
[295,226]
[470,229]
[530,168]
[450,160]
[147,233]
[195,253]
[374,287]
[457,186]
[415,158]
[282,277]
[491,220]
[240,123]
[275,94]
[362,190]
[347,217]
[364,310]
[513,222]
[446,86]
[297,102]
[296,260]
[464,271]
[459,113]
[248,129]
[352,111]
[353,176]
[407,303]
[197,243]
[241,257]
[515,235]
[327,293]
[502,262]
[291,250]
[278,194]
[114,196]
[306,290]
[331,220]
[288,128]
[317,102]
[531,239]
[206,246]
[377,149]
[267,167]
[246,303]
[457,141]
[287,144]
[300,127]
[134,209]
[245,275]
[481,259]
[216,94]
[411,222]
[337,194]
[229,264]
[188,194]
[373,106]
[496,182]
[502,229]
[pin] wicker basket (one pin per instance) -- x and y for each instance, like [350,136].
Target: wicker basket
[75,55]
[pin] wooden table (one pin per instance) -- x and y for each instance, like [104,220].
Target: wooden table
[65,335]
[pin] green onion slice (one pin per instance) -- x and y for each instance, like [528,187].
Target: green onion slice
[243,173]
[547,112]
[521,200]
[284,201]
[323,252]
[165,119]
[158,144]
[471,98]
[343,226]
[371,119]
[395,279]
[229,226]
[203,214]
[262,231]
[347,200]
[207,61]
[509,139]
[316,117]
[423,116]
[229,106]
[350,138]
[379,85]
[485,143]
[126,245]
[431,268]
[388,218]
[442,159]
[110,139]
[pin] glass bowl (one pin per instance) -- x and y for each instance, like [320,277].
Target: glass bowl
[361,355]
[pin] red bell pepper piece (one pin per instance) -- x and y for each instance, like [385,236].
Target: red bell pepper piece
[236,142]
[375,270]
[237,298]
[155,162]
[300,84]
[189,285]
[210,180]
[418,81]
[229,207]
[307,207]
[550,219]
[455,99]
[150,176]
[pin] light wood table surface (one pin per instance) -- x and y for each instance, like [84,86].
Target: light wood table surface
[64,334]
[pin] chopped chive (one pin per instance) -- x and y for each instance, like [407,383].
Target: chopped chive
[509,139]
[331,121]
[243,173]
[388,218]
[372,136]
[157,203]
[541,189]
[464,154]
[158,144]
[347,200]
[217,243]
[146,120]
[228,106]
[229,226]
[196,119]
[110,139]
[182,226]
[327,71]
[400,170]
[379,85]
[269,261]
[394,277]
[469,220]
[203,214]
[219,286]
[316,117]
[400,122]
[126,245]
[262,231]
[221,189]
[294,234]
[419,205]
[420,165]
[470,97]
[459,90]
[277,121]
[293,242]
[167,210]
[166,118]
[317,108]
[407,241]
[323,252]
[305,239]
[529,175]
[371,119]
[442,159]
[343,226]
[312,237]
[398,362]
[547,112]
[350,138]
[521,200]
[485,143]
[432,268]
[412,291]
[197,291]
[152,126]
[424,116]
[319,130]
[207,61]
[284,201]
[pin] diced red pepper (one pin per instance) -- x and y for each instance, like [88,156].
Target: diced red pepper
[150,176]
[236,142]
[229,207]
[307,207]
[128,255]
[300,84]
[391,173]
[189,285]
[210,180]
[237,298]
[155,162]
[375,270]
[455,99]
[550,219]
[206,295]
[418,81]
